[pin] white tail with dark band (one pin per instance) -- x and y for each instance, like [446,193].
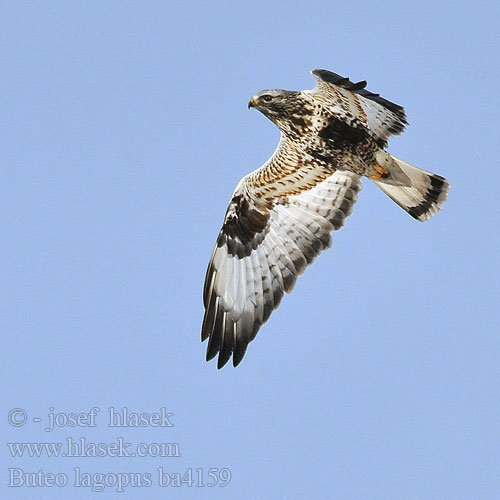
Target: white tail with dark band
[422,197]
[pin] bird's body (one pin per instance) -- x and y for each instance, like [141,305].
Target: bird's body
[280,216]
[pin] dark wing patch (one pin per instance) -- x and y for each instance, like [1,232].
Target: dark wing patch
[341,134]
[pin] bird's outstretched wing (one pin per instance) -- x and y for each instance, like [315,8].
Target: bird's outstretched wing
[380,117]
[266,241]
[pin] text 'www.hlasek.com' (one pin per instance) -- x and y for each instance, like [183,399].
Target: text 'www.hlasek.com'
[75,455]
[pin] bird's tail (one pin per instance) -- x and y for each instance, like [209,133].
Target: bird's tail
[416,191]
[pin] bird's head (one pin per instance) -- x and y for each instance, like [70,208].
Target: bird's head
[276,104]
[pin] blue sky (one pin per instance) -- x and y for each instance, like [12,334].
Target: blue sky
[126,131]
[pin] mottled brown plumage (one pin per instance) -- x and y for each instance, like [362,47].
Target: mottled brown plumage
[281,216]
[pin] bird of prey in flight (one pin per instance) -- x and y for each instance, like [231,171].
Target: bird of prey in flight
[281,216]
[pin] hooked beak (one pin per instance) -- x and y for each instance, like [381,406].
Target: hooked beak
[252,103]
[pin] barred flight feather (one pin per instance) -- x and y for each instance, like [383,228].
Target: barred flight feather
[241,291]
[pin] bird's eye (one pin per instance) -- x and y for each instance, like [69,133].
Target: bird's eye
[267,98]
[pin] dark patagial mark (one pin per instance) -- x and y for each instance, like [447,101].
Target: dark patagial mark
[242,223]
